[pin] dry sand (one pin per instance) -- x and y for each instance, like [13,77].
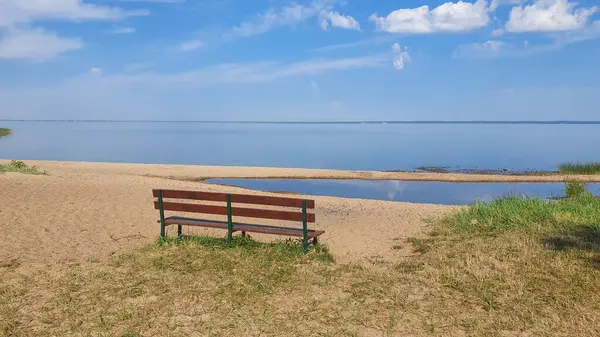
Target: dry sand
[194,172]
[89,211]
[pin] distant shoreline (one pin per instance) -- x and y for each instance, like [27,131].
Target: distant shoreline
[200,173]
[525,122]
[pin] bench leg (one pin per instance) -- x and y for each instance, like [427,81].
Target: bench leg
[243,234]
[304,228]
[162,215]
[315,241]
[179,231]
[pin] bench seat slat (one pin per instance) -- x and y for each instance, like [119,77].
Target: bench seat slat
[243,227]
[235,198]
[236,211]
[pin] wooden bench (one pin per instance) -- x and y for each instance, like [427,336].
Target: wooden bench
[300,213]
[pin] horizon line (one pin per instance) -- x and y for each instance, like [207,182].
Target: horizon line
[316,122]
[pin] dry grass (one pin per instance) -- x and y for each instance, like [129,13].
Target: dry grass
[5,132]
[518,271]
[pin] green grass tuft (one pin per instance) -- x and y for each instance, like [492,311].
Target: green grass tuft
[580,168]
[19,167]
[524,213]
[576,189]
[5,132]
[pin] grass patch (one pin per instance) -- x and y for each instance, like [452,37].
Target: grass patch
[524,213]
[19,167]
[419,245]
[580,168]
[5,132]
[576,190]
[512,267]
[288,250]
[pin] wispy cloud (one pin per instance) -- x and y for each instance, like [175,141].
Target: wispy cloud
[499,49]
[591,32]
[14,12]
[123,30]
[256,72]
[35,44]
[23,41]
[134,67]
[191,45]
[497,3]
[155,1]
[361,43]
[286,16]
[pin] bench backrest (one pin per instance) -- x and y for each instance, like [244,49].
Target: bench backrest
[301,215]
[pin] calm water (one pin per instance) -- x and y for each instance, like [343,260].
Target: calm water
[336,146]
[419,192]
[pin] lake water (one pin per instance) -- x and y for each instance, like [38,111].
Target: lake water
[443,193]
[334,146]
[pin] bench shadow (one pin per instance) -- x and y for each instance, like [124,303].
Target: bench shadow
[583,238]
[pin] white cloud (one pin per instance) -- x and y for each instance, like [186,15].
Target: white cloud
[96,71]
[401,56]
[314,85]
[35,44]
[191,45]
[448,17]
[21,41]
[286,16]
[335,19]
[123,30]
[549,16]
[13,12]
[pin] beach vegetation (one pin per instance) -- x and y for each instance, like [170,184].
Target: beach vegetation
[288,250]
[525,213]
[513,266]
[576,189]
[5,132]
[580,168]
[19,166]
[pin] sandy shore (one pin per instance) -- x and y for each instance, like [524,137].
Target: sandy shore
[198,173]
[89,211]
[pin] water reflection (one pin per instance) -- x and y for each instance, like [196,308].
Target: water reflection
[444,193]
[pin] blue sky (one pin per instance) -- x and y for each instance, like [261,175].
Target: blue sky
[303,60]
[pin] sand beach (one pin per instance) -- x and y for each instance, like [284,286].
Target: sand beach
[83,211]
